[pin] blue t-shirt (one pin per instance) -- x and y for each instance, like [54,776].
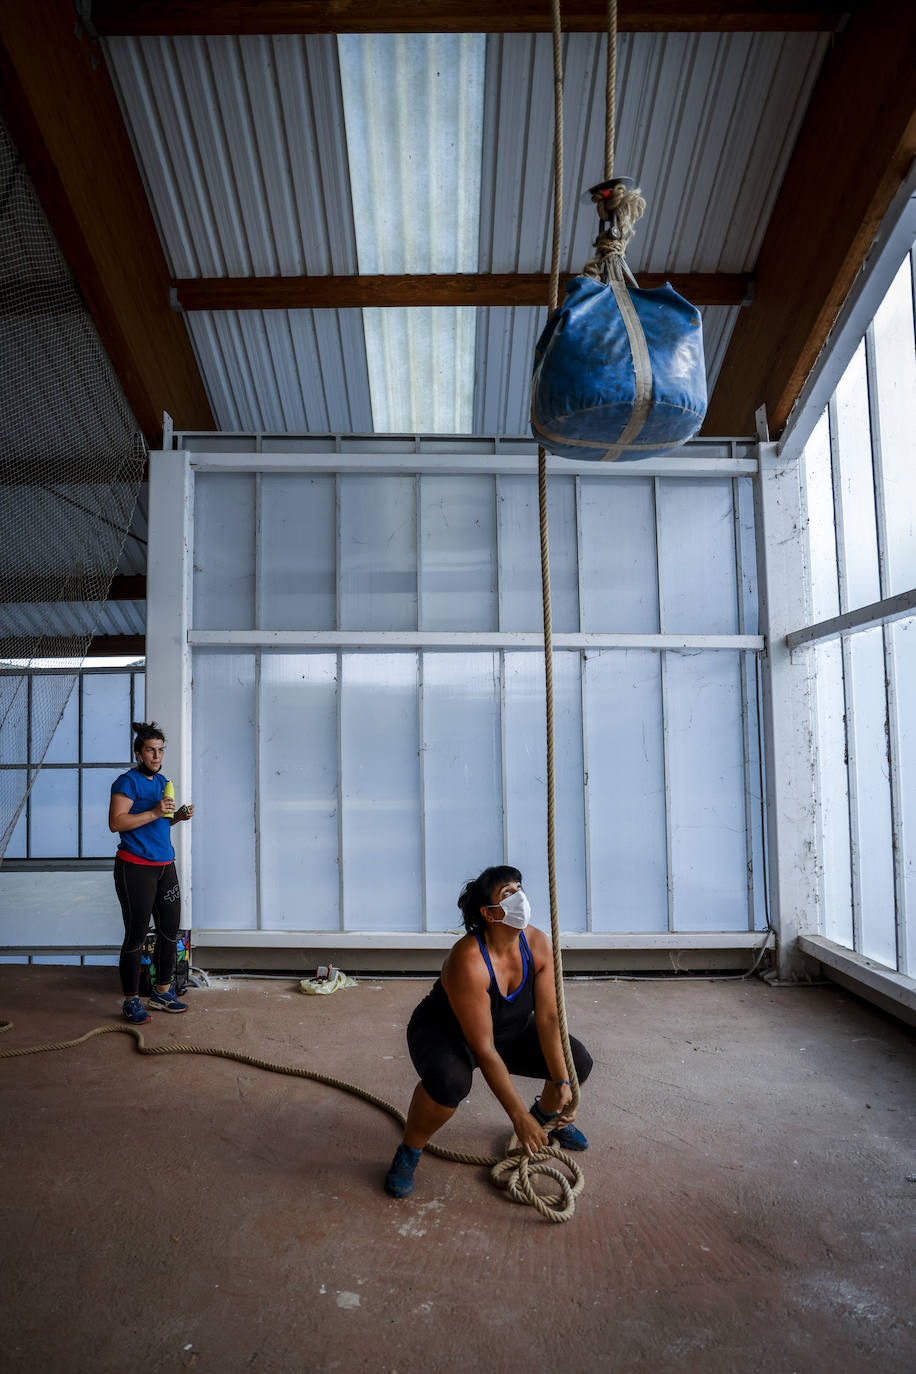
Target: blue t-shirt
[151,842]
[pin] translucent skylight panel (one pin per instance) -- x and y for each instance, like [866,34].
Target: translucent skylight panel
[414,119]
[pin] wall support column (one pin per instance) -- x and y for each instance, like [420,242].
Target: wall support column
[787,708]
[168,618]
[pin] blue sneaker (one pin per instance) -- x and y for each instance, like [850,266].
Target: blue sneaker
[399,1179]
[135,1012]
[567,1137]
[165,1001]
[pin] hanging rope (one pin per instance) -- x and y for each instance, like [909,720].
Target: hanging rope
[545,567]
[618,207]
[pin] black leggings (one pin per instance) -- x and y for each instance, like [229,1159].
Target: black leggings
[446,1063]
[146,890]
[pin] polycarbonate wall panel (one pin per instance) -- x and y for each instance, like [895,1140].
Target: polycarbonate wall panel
[378,552]
[902,638]
[97,841]
[106,718]
[835,858]
[54,806]
[458,586]
[895,375]
[525,753]
[873,863]
[618,567]
[224,791]
[17,847]
[14,712]
[224,551]
[696,543]
[706,791]
[822,545]
[298,558]
[64,745]
[297,788]
[380,792]
[520,594]
[462,776]
[625,763]
[854,492]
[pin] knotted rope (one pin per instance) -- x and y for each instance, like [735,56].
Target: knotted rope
[618,208]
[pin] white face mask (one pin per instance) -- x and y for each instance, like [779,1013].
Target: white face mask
[517,910]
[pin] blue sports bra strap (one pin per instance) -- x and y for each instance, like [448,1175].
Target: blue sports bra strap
[483,950]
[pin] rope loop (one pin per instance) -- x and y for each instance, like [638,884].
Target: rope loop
[515,1173]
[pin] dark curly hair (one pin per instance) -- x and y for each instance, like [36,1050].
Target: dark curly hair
[478,891]
[144,731]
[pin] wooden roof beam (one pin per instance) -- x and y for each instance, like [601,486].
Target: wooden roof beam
[184,17]
[854,149]
[495,288]
[58,101]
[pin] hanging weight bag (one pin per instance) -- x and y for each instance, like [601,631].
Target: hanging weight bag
[619,372]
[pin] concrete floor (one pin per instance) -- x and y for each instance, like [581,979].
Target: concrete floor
[748,1204]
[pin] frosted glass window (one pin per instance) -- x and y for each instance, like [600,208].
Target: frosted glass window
[706,789]
[853,474]
[378,552]
[14,706]
[520,554]
[380,783]
[525,752]
[298,552]
[98,842]
[822,551]
[106,718]
[53,803]
[617,550]
[462,776]
[224,551]
[696,541]
[298,791]
[895,367]
[47,699]
[903,639]
[458,553]
[866,708]
[626,790]
[223,791]
[833,794]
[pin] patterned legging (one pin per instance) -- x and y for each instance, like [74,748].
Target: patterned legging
[146,890]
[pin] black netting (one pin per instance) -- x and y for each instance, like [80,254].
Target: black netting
[71,464]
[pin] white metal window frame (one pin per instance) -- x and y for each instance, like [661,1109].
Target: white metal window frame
[171,639]
[791,713]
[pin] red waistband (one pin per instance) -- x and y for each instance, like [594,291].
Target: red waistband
[129,858]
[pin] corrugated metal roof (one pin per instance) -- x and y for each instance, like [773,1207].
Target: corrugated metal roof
[243,144]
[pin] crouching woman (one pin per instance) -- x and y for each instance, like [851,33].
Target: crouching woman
[494,1007]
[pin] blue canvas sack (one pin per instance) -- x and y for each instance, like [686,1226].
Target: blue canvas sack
[619,372]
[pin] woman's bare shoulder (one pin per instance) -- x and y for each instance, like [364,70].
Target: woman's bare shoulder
[463,962]
[539,944]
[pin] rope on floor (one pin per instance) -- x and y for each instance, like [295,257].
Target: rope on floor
[513,1174]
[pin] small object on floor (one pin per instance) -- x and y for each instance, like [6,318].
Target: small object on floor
[135,1012]
[328,979]
[567,1137]
[165,1001]
[399,1179]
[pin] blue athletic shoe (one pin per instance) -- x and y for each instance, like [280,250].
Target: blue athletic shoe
[399,1179]
[165,1001]
[135,1012]
[567,1137]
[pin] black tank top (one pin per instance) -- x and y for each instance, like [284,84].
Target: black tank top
[510,1014]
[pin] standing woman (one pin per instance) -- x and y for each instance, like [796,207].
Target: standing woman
[494,1007]
[146,880]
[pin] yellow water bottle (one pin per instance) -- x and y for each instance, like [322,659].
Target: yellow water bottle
[169,791]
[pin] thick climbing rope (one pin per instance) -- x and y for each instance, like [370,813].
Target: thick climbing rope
[504,1171]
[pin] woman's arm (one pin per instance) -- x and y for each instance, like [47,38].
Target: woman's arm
[547,1020]
[120,819]
[466,983]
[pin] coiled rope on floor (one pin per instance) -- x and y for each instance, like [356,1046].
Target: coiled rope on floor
[512,1174]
